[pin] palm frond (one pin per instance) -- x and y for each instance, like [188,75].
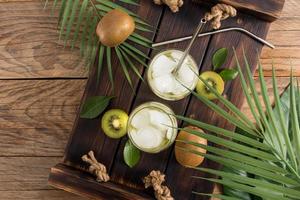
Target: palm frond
[270,151]
[77,23]
[109,66]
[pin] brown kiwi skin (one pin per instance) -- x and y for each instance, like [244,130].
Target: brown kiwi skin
[185,158]
[115,27]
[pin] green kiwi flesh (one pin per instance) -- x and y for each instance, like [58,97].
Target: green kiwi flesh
[114,123]
[214,80]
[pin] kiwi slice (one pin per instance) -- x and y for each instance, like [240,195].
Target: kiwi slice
[212,78]
[114,123]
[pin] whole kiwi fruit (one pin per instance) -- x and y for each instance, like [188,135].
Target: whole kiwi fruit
[115,27]
[185,158]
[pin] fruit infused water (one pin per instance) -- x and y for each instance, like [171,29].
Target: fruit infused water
[152,127]
[168,84]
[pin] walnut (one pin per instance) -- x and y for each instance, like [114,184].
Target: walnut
[173,4]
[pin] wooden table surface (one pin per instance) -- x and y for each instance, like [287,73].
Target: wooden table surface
[41,85]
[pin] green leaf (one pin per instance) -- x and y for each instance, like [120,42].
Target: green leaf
[94,106]
[108,5]
[218,196]
[234,145]
[130,2]
[261,184]
[109,66]
[142,28]
[279,178]
[256,99]
[294,117]
[228,74]
[222,112]
[65,17]
[133,67]
[131,154]
[61,10]
[245,122]
[100,62]
[54,6]
[135,50]
[133,55]
[71,20]
[273,126]
[79,21]
[92,41]
[139,41]
[219,58]
[238,157]
[223,132]
[142,38]
[124,67]
[85,30]
[233,192]
[248,95]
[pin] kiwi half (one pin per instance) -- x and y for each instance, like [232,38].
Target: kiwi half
[114,123]
[213,79]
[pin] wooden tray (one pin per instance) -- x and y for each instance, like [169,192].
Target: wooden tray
[87,135]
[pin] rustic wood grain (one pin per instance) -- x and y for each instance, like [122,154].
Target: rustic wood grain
[87,135]
[81,183]
[30,173]
[284,33]
[198,111]
[86,128]
[29,44]
[31,68]
[25,173]
[282,82]
[36,116]
[39,194]
[171,26]
[267,10]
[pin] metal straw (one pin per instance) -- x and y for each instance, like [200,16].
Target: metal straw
[252,35]
[187,50]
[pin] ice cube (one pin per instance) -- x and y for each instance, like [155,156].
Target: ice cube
[177,55]
[179,87]
[141,119]
[186,74]
[160,120]
[169,133]
[165,83]
[148,137]
[162,65]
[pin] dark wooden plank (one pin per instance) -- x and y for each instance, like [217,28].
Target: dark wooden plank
[268,10]
[87,134]
[38,195]
[233,92]
[171,26]
[78,182]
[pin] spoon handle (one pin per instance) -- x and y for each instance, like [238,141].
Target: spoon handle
[187,50]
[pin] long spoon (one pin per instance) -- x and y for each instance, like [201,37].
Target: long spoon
[187,50]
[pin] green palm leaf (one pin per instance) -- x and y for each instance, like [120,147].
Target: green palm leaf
[109,66]
[269,154]
[77,22]
[124,66]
